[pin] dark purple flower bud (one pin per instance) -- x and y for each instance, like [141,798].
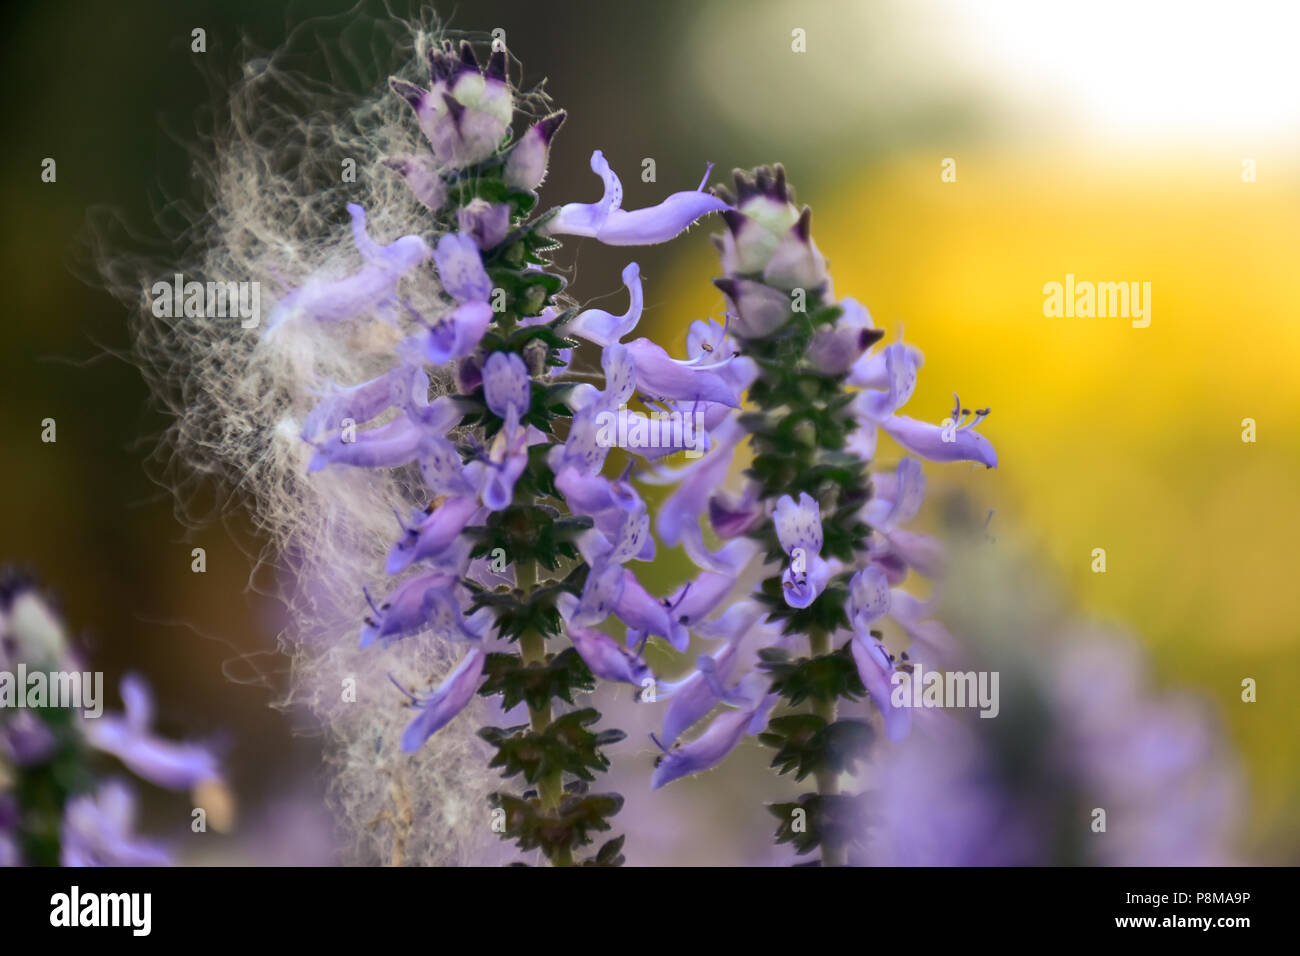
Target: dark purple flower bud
[469,374]
[834,349]
[465,113]
[730,516]
[26,739]
[526,166]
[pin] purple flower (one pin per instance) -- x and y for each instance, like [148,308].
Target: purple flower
[495,475]
[876,668]
[434,535]
[731,515]
[391,445]
[661,376]
[758,310]
[410,608]
[584,448]
[696,484]
[97,831]
[448,700]
[526,167]
[608,222]
[458,333]
[129,738]
[607,659]
[712,747]
[506,384]
[421,176]
[613,589]
[605,328]
[622,525]
[441,467]
[26,739]
[799,529]
[600,593]
[486,223]
[358,403]
[868,599]
[692,698]
[893,375]
[460,268]
[897,500]
[640,611]
[956,442]
[706,751]
[835,349]
[373,287]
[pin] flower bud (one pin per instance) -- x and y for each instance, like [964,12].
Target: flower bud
[757,309]
[526,167]
[487,223]
[466,111]
[768,236]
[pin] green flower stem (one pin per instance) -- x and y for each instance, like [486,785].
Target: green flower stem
[532,648]
[828,784]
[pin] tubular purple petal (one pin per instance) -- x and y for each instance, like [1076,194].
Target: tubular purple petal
[450,698]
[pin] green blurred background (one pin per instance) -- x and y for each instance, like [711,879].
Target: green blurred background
[1105,140]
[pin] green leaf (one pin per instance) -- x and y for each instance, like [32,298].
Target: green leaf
[814,819]
[536,684]
[806,744]
[825,678]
